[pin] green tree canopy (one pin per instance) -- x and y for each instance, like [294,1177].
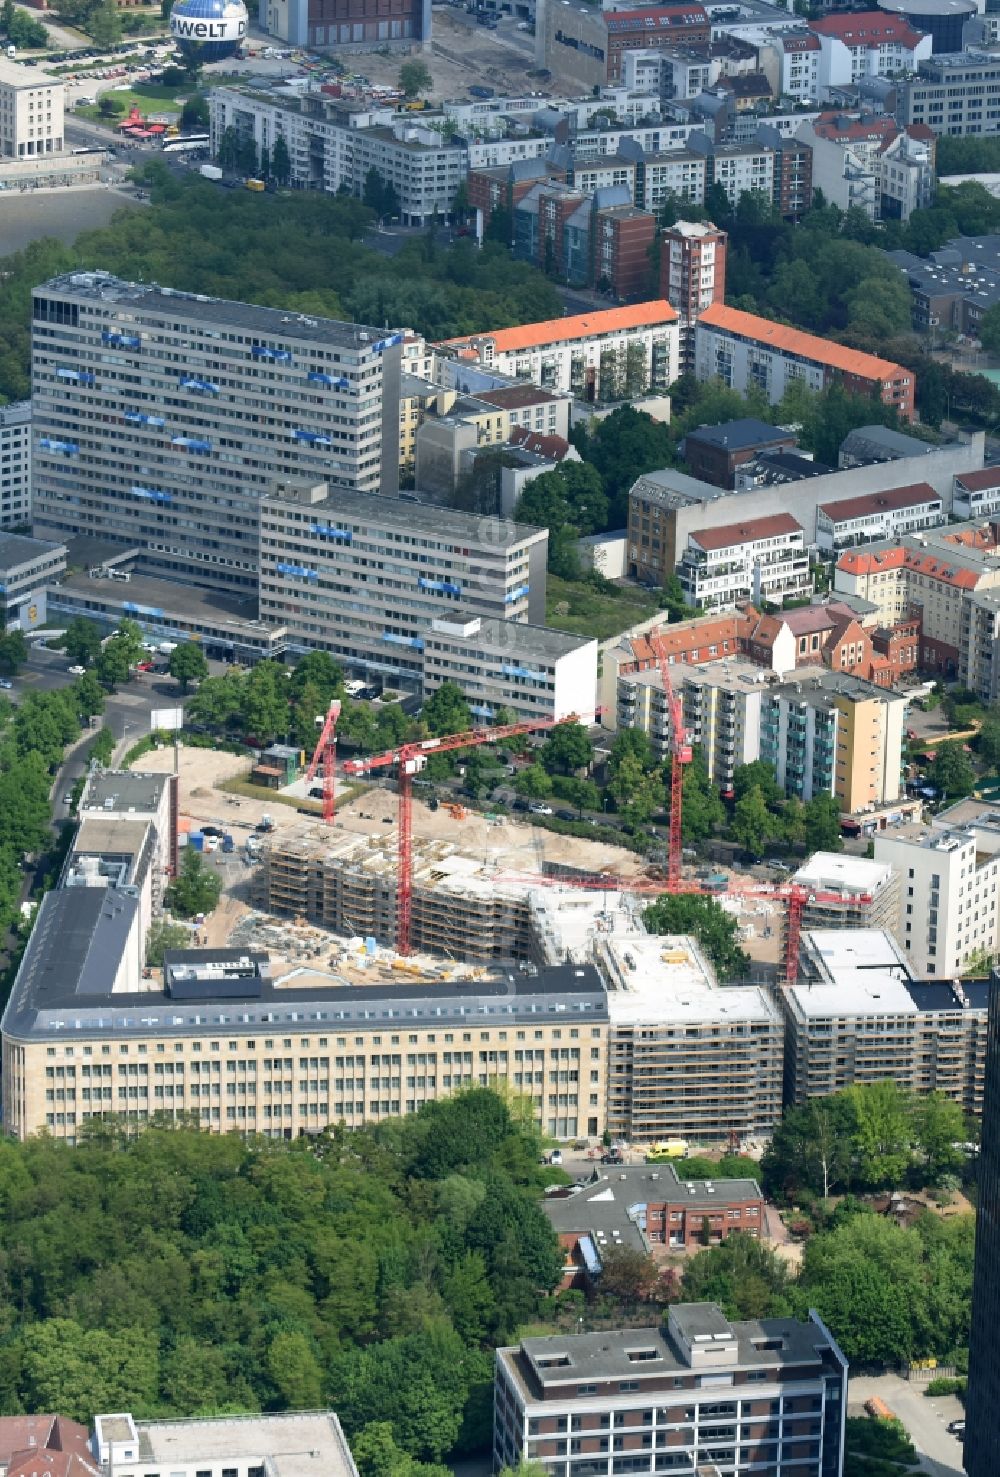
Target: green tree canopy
[187,664]
[196,888]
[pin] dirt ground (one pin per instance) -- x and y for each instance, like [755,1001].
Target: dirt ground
[514,848]
[461,54]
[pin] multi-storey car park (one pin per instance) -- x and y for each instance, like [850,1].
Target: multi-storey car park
[162,417]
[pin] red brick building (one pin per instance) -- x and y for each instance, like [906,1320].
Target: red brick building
[621,237]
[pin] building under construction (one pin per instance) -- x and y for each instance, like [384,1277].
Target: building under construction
[348,884]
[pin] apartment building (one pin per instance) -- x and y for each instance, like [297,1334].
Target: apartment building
[589,233]
[849,892]
[977,494]
[318,544]
[953,93]
[797,54]
[676,172]
[867,43]
[951,910]
[830,733]
[981,1453]
[750,1397]
[237,1444]
[31,112]
[744,351]
[979,645]
[601,356]
[721,712]
[644,1206]
[761,559]
[859,1015]
[332,147]
[714,453]
[880,515]
[741,168]
[15,464]
[531,671]
[27,565]
[692,268]
[161,418]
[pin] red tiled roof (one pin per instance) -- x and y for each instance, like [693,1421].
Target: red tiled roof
[794,341]
[979,481]
[696,635]
[937,568]
[664,15]
[850,130]
[581,325]
[880,502]
[553,447]
[856,561]
[794,44]
[867,28]
[745,533]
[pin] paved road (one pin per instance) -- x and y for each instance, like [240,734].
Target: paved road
[925,1420]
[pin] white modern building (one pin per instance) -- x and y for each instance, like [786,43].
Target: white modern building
[532,671]
[761,559]
[879,515]
[868,43]
[859,1014]
[27,567]
[951,908]
[161,418]
[31,112]
[976,494]
[603,355]
[15,464]
[721,701]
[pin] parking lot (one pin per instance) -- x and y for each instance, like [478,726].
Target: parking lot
[926,1420]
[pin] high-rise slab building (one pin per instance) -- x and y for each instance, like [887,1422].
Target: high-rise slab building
[982,1433]
[160,418]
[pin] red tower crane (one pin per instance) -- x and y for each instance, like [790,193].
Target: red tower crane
[409,760]
[326,754]
[680,755]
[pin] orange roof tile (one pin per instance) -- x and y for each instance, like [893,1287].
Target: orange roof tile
[794,341]
[857,562]
[938,568]
[581,325]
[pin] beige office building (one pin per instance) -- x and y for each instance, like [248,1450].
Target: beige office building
[31,112]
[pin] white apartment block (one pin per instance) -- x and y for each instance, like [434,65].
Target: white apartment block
[532,671]
[31,112]
[879,515]
[797,55]
[721,701]
[593,356]
[679,173]
[867,44]
[740,168]
[365,577]
[761,559]
[161,418]
[15,464]
[906,177]
[976,494]
[951,909]
[331,149]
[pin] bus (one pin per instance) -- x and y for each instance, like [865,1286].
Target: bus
[91,149]
[185,145]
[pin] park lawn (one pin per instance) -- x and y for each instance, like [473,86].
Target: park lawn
[147,97]
[583,611]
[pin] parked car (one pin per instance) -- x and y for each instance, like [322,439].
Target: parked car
[566,815]
[957,1428]
[520,804]
[6,683]
[316,793]
[538,807]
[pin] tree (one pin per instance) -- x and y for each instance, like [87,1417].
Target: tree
[883,1133]
[447,711]
[703,812]
[415,77]
[533,781]
[13,651]
[628,1275]
[757,775]
[88,695]
[112,666]
[194,114]
[567,749]
[281,163]
[195,889]
[811,1148]
[295,1370]
[164,935]
[264,702]
[187,664]
[822,823]
[111,106]
[104,25]
[622,446]
[938,1125]
[743,1275]
[753,824]
[82,641]
[951,771]
[866,1281]
[715,930]
[637,791]
[987,740]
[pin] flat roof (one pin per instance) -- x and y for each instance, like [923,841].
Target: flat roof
[410,516]
[543,1365]
[16,74]
[146,595]
[278,323]
[16,550]
[120,790]
[310,1444]
[833,871]
[615,1199]
[517,637]
[664,978]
